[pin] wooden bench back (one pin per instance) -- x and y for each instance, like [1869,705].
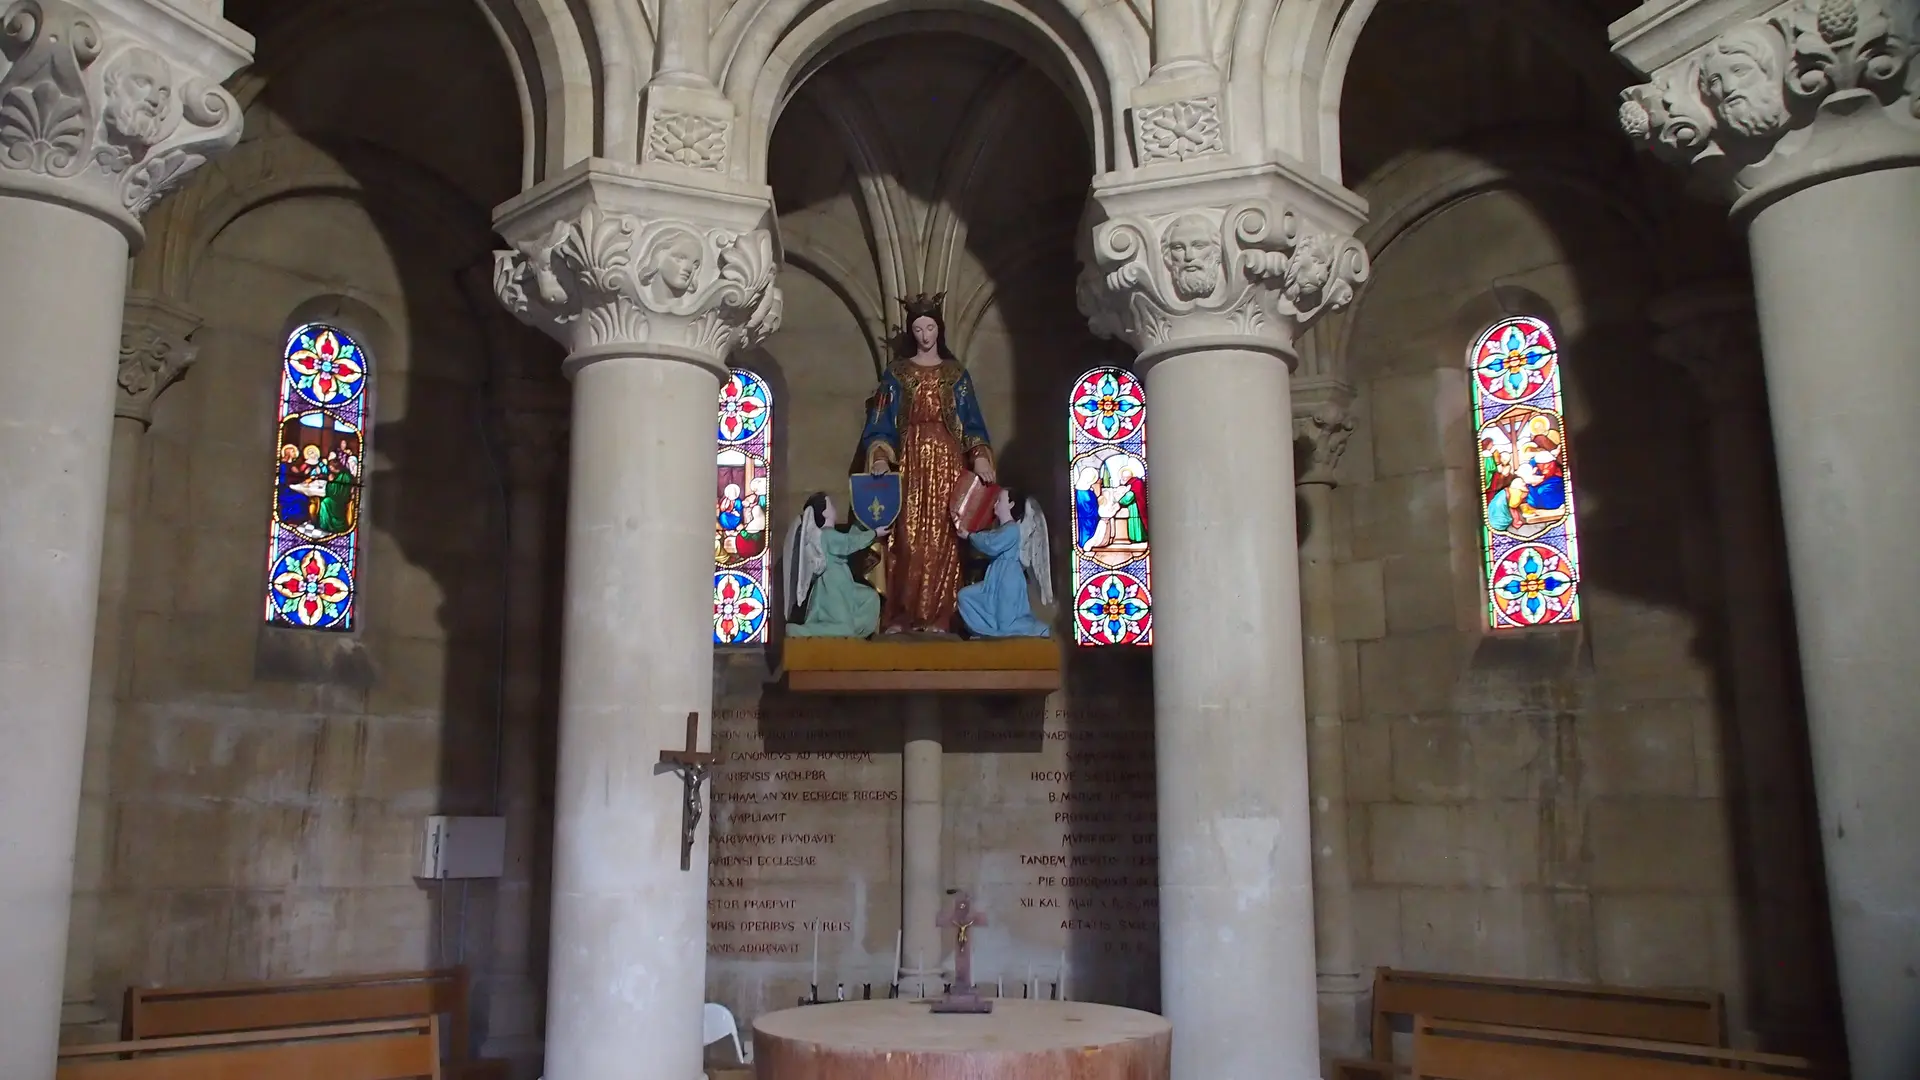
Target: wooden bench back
[162,1012]
[1680,1016]
[1449,1050]
[387,1050]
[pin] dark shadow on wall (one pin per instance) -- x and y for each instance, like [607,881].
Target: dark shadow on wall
[441,481]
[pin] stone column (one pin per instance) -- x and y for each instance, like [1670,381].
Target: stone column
[921,824]
[155,350]
[1321,428]
[533,419]
[1211,277]
[108,107]
[1807,119]
[651,283]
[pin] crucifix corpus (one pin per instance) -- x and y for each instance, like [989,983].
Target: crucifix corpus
[962,998]
[693,768]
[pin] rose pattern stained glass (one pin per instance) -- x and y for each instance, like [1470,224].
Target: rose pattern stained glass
[743,491]
[1529,535]
[319,465]
[1107,464]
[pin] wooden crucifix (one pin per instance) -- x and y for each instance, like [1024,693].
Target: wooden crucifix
[962,998]
[693,767]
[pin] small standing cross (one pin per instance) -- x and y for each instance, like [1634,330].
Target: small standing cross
[693,766]
[962,998]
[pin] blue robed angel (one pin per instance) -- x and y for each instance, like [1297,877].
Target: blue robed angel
[997,606]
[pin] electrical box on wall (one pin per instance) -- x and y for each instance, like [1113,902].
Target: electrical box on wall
[463,847]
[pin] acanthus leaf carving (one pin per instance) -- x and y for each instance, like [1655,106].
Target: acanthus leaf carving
[1742,107]
[603,278]
[113,122]
[1248,270]
[156,349]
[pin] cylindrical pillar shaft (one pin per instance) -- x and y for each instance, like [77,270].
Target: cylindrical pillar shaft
[90,845]
[683,41]
[62,282]
[628,966]
[1339,980]
[1236,896]
[921,826]
[1180,34]
[1834,272]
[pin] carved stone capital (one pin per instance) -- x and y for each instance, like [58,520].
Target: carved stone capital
[1245,259]
[1760,108]
[610,262]
[109,107]
[1712,333]
[156,348]
[1322,424]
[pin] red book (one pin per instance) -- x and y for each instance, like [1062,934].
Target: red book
[973,500]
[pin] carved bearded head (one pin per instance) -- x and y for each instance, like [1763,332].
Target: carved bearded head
[676,262]
[1740,80]
[1192,254]
[139,90]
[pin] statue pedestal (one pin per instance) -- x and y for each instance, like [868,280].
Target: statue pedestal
[1019,1040]
[916,665]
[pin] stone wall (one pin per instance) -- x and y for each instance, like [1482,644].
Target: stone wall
[1544,803]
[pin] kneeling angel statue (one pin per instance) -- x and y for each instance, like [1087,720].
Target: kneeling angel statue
[997,606]
[826,600]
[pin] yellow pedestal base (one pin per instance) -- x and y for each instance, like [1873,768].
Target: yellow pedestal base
[900,666]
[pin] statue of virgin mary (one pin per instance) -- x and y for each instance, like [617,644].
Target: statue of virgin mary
[925,421]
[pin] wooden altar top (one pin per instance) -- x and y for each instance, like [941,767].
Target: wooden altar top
[1019,1040]
[921,664]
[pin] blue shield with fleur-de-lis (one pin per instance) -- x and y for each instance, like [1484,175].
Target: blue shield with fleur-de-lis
[876,499]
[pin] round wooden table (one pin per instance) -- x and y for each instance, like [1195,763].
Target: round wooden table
[1019,1040]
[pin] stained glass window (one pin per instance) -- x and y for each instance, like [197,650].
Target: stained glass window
[742,492]
[1107,453]
[320,459]
[1526,490]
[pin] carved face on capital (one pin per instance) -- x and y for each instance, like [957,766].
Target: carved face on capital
[1740,81]
[139,89]
[676,262]
[1192,254]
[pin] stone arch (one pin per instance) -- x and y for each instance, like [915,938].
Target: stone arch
[281,167]
[761,53]
[1423,183]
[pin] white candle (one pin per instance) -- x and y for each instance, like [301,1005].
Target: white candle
[816,954]
[897,936]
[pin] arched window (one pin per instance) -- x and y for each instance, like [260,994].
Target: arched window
[1107,463]
[1526,489]
[320,460]
[742,506]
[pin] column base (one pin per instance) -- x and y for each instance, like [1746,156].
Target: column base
[1346,1018]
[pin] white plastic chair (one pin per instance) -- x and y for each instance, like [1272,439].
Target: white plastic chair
[716,1023]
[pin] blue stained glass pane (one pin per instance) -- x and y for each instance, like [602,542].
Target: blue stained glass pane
[1526,488]
[1107,463]
[743,491]
[320,462]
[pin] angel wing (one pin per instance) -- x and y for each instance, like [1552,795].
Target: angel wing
[803,558]
[1036,550]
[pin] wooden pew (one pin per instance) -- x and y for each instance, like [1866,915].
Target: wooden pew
[1692,1017]
[166,1011]
[1451,1050]
[383,1050]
